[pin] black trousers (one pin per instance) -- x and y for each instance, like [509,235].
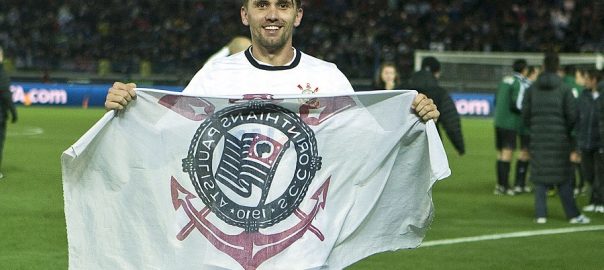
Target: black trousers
[565,191]
[592,165]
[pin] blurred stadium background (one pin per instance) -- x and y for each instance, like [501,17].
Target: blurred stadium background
[62,55]
[166,42]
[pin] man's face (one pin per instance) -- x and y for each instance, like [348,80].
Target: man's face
[579,78]
[590,82]
[271,22]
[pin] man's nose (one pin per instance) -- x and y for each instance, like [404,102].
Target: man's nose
[271,13]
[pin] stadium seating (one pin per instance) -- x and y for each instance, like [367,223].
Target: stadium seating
[177,36]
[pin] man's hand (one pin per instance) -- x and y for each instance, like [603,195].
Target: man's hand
[119,95]
[425,108]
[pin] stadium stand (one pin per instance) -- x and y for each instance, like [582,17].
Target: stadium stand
[177,36]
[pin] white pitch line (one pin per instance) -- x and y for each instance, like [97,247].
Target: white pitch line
[511,235]
[25,131]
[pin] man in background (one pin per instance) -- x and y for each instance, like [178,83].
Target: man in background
[237,44]
[549,110]
[6,106]
[509,127]
[425,81]
[574,78]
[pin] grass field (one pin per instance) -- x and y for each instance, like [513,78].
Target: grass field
[32,224]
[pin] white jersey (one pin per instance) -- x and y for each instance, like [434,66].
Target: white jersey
[241,74]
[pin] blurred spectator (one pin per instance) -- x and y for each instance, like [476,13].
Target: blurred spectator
[387,77]
[358,35]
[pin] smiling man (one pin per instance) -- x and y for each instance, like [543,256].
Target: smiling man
[270,66]
[272,28]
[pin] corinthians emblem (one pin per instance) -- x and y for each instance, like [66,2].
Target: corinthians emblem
[251,164]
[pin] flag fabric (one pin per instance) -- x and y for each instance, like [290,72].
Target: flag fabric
[252,182]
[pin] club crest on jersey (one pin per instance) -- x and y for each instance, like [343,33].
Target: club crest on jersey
[233,161]
[308,89]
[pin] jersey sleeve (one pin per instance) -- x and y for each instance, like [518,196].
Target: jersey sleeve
[342,83]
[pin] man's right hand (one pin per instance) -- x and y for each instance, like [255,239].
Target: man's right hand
[119,95]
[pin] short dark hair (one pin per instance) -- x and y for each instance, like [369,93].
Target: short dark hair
[519,65]
[594,74]
[551,62]
[297,2]
[431,64]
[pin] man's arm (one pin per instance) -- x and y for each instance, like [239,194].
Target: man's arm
[451,122]
[514,91]
[6,97]
[526,107]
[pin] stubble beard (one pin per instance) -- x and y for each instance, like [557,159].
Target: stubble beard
[272,44]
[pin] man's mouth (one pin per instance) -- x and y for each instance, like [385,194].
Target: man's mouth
[272,28]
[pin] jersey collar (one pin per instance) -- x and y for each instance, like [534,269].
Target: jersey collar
[258,65]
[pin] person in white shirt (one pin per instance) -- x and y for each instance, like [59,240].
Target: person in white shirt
[270,66]
[237,44]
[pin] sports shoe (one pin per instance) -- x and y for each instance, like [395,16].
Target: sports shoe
[519,189]
[500,190]
[580,219]
[599,209]
[589,208]
[541,220]
[1,175]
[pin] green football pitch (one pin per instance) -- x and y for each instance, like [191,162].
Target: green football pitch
[472,229]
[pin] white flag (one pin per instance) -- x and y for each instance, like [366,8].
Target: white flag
[253,182]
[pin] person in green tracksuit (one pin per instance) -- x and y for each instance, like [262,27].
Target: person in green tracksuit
[574,79]
[508,127]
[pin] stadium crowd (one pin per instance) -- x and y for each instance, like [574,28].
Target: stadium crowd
[179,35]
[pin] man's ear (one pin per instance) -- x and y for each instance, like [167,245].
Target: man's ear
[299,15]
[244,17]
